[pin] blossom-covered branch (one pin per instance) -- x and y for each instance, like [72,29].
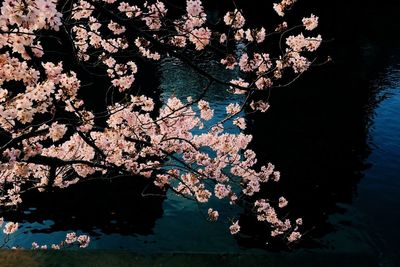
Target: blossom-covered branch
[51,138]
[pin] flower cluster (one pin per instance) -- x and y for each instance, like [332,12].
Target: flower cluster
[234,19]
[10,228]
[266,213]
[310,23]
[280,8]
[71,239]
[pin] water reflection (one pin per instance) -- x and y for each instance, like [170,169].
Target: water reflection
[379,191]
[96,207]
[180,81]
[336,140]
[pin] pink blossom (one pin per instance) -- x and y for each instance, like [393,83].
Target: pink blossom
[259,105]
[282,202]
[55,247]
[212,214]
[310,23]
[294,236]
[234,19]
[222,191]
[57,131]
[240,122]
[10,228]
[71,238]
[84,241]
[200,37]
[281,7]
[194,7]
[263,83]
[233,108]
[234,228]
[130,11]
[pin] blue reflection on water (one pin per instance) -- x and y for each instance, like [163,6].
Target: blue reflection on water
[370,223]
[379,191]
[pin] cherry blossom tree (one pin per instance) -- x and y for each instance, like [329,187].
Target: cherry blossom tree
[52,139]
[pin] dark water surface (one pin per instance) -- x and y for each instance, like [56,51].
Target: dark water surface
[334,135]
